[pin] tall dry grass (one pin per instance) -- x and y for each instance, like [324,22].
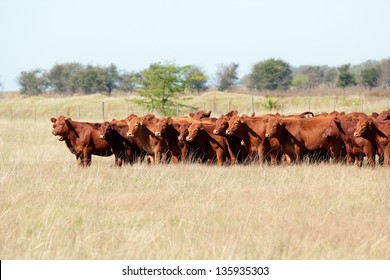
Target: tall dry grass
[51,209]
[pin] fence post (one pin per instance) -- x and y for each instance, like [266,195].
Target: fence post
[361,104]
[10,114]
[230,104]
[253,104]
[387,103]
[334,103]
[127,109]
[78,111]
[35,114]
[282,107]
[103,110]
[214,105]
[177,109]
[308,101]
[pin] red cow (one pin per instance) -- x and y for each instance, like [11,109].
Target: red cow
[377,132]
[83,138]
[298,136]
[251,130]
[212,145]
[124,148]
[142,130]
[343,127]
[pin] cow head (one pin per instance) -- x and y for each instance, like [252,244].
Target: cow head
[183,130]
[234,124]
[105,129]
[134,125]
[221,125]
[333,129]
[193,131]
[162,125]
[273,127]
[60,127]
[362,126]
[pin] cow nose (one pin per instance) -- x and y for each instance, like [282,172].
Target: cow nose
[215,131]
[267,135]
[129,134]
[228,132]
[180,138]
[356,134]
[188,138]
[102,137]
[157,133]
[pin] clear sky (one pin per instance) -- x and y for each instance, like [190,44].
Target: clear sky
[135,33]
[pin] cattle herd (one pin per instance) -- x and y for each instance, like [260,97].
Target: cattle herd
[231,138]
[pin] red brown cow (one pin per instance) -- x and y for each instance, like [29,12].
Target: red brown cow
[124,148]
[298,136]
[214,146]
[356,148]
[240,152]
[142,129]
[166,131]
[251,130]
[83,138]
[377,132]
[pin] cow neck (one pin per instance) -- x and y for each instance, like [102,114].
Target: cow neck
[377,127]
[171,139]
[69,145]
[252,133]
[74,131]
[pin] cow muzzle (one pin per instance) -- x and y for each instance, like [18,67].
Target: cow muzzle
[216,131]
[356,134]
[267,135]
[228,132]
[157,134]
[188,138]
[129,134]
[102,137]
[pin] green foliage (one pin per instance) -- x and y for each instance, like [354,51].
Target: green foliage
[159,84]
[346,78]
[128,82]
[33,82]
[62,77]
[271,74]
[300,81]
[196,79]
[271,103]
[370,77]
[226,76]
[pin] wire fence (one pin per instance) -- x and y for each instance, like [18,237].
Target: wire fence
[120,108]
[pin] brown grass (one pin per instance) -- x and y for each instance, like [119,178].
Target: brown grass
[51,209]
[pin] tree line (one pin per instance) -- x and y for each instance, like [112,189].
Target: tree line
[160,82]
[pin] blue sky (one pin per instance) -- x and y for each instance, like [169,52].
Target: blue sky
[135,33]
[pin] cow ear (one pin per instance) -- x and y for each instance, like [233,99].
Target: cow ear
[53,120]
[201,127]
[242,120]
[170,120]
[97,125]
[336,120]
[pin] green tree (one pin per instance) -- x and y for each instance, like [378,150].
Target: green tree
[271,74]
[226,76]
[33,82]
[300,81]
[92,79]
[370,77]
[159,85]
[331,76]
[345,78]
[197,79]
[111,78]
[385,73]
[62,76]
[129,81]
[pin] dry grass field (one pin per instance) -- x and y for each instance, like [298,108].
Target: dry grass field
[51,209]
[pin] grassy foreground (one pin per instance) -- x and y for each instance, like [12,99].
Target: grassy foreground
[51,209]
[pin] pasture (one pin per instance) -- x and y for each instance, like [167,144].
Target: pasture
[51,209]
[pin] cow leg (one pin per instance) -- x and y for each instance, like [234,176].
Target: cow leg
[87,158]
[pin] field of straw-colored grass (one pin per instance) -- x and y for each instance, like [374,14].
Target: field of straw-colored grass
[51,209]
